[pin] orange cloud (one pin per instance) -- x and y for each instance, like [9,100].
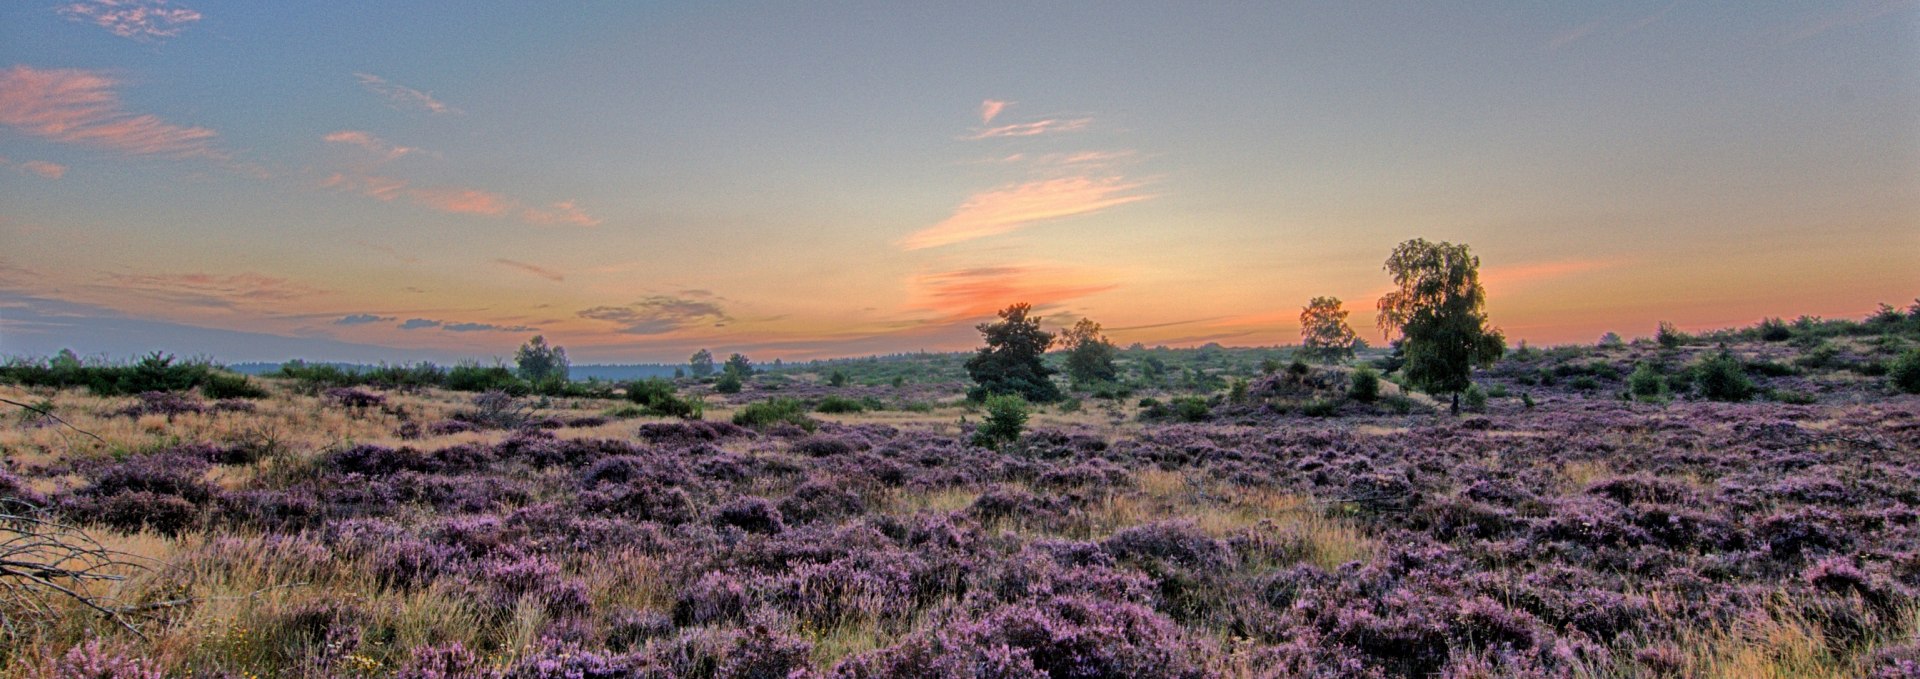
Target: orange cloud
[1036,128]
[979,292]
[1012,207]
[80,107]
[402,96]
[1514,274]
[461,200]
[992,108]
[45,169]
[564,212]
[540,271]
[378,146]
[213,290]
[137,19]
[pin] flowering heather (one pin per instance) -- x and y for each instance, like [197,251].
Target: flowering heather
[1581,537]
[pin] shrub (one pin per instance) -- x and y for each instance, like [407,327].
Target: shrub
[221,384]
[1320,407]
[471,376]
[837,404]
[1774,330]
[1721,378]
[1006,418]
[1670,336]
[1365,385]
[774,411]
[657,397]
[1904,374]
[1476,399]
[728,384]
[1647,384]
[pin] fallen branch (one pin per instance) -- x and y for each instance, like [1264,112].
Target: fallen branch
[49,415]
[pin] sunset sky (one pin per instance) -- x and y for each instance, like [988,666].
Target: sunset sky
[379,180]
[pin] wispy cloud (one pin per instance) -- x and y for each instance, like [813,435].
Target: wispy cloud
[978,292]
[419,324]
[1012,207]
[404,97]
[542,272]
[462,201]
[563,212]
[1853,14]
[363,319]
[80,107]
[459,200]
[659,314]
[40,167]
[1575,34]
[486,327]
[1033,129]
[1513,275]
[377,146]
[136,19]
[213,290]
[991,109]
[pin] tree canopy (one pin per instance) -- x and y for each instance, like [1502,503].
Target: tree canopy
[701,363]
[1011,362]
[1439,309]
[1324,333]
[1089,354]
[539,363]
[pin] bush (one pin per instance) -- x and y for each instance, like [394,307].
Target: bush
[1320,407]
[656,396]
[1904,374]
[1006,418]
[471,376]
[840,404]
[1721,378]
[1647,384]
[774,411]
[1476,399]
[1365,386]
[1774,330]
[221,384]
[1670,336]
[728,384]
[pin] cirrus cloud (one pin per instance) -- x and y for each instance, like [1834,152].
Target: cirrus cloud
[137,19]
[659,315]
[1015,206]
[403,97]
[77,106]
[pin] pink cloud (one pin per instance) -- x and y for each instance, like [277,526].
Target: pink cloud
[536,270]
[1012,207]
[402,96]
[80,107]
[376,145]
[45,169]
[137,19]
[991,108]
[564,212]
[979,292]
[461,200]
[213,290]
[1036,128]
[458,199]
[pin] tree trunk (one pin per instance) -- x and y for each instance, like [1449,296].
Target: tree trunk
[1456,404]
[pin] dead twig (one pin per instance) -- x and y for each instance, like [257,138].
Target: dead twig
[49,415]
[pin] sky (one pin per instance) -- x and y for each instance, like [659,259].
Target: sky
[395,181]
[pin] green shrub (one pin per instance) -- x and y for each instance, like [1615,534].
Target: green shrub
[1721,378]
[728,384]
[1647,384]
[657,397]
[1584,383]
[1006,418]
[1774,330]
[1792,397]
[838,379]
[1190,409]
[840,404]
[1526,399]
[1476,399]
[1498,391]
[1320,407]
[1669,336]
[1771,368]
[774,411]
[471,376]
[1365,385]
[221,384]
[1904,374]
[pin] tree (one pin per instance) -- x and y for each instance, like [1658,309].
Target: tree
[1324,333]
[1089,354]
[1011,361]
[1440,313]
[540,363]
[701,364]
[738,366]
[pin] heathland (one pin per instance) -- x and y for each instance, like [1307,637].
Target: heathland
[1742,503]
